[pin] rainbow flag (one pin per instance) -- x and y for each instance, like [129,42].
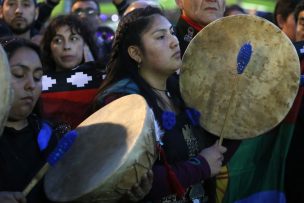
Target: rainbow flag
[255,173]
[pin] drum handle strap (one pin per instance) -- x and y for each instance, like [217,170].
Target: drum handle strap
[172,178]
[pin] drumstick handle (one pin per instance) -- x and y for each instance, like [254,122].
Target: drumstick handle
[36,179]
[234,85]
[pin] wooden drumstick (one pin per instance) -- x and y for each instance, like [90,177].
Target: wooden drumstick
[62,147]
[243,59]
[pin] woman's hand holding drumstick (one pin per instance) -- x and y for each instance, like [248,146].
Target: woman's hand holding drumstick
[63,146]
[214,155]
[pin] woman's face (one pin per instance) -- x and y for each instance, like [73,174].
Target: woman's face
[26,71]
[161,52]
[67,49]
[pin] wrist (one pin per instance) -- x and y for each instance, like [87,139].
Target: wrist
[204,163]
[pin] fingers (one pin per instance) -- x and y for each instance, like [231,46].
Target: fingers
[221,148]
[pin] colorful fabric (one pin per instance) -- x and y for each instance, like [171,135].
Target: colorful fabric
[222,184]
[67,96]
[257,169]
[183,166]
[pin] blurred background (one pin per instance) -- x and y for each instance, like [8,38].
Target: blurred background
[263,8]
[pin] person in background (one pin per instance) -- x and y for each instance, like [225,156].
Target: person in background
[299,18]
[72,75]
[67,43]
[45,9]
[284,17]
[89,11]
[195,15]
[295,163]
[234,10]
[140,4]
[20,16]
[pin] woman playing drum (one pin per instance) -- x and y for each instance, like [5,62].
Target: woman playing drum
[21,150]
[145,53]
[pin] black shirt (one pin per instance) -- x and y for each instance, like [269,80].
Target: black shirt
[21,159]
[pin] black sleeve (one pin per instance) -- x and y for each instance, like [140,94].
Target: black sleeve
[45,11]
[122,7]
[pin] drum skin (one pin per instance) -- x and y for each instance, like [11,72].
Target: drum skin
[5,88]
[114,149]
[243,105]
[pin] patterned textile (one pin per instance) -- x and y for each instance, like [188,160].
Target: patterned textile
[67,96]
[256,171]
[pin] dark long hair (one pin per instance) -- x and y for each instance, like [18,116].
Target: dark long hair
[298,10]
[76,25]
[284,8]
[121,65]
[11,45]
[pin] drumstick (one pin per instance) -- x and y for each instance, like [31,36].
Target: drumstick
[62,147]
[243,59]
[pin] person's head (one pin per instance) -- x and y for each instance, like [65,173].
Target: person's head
[299,18]
[85,7]
[202,12]
[144,49]
[284,17]
[234,10]
[19,14]
[26,71]
[144,44]
[64,41]
[140,4]
[87,10]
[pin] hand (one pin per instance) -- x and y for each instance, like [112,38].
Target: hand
[214,156]
[12,197]
[140,190]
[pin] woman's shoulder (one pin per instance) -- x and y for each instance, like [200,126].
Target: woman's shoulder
[120,88]
[125,85]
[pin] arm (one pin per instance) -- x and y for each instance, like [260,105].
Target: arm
[201,167]
[188,173]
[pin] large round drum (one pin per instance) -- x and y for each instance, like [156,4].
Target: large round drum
[243,105]
[114,149]
[5,88]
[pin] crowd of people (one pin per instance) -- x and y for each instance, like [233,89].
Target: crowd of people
[65,68]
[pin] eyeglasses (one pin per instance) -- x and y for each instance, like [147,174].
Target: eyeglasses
[85,12]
